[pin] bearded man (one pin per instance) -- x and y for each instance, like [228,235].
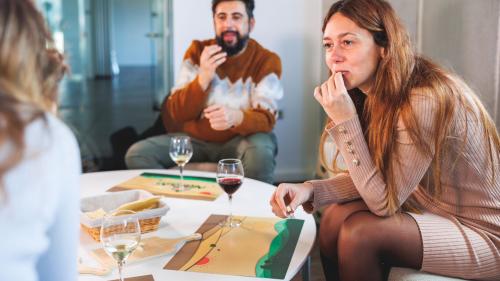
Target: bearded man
[225,99]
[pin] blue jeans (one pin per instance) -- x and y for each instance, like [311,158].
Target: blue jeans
[257,153]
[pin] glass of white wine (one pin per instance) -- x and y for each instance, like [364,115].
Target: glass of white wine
[120,235]
[180,151]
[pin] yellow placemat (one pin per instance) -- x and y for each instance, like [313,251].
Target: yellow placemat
[139,278]
[201,188]
[259,247]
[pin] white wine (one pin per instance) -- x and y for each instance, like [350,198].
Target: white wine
[180,151]
[120,249]
[181,159]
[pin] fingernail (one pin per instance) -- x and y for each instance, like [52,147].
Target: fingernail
[289,212]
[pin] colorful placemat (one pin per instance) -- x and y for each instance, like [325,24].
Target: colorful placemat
[260,247]
[138,278]
[201,188]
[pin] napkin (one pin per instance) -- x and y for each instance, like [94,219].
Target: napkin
[149,248]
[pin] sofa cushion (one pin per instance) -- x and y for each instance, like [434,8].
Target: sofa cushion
[407,274]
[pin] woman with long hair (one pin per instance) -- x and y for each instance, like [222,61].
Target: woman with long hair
[39,157]
[422,186]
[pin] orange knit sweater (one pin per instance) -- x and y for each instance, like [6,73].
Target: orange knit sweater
[249,81]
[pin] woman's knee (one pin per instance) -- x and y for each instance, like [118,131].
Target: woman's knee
[332,220]
[394,240]
[359,232]
[328,230]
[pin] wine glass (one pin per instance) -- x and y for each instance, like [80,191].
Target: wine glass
[230,176]
[180,151]
[120,235]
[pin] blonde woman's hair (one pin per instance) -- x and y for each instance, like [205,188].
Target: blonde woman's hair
[400,74]
[28,76]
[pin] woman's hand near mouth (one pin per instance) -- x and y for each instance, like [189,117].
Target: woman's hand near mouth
[333,97]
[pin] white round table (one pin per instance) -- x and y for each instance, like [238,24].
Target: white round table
[184,218]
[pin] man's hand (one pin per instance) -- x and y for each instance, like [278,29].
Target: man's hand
[222,117]
[288,197]
[211,57]
[333,97]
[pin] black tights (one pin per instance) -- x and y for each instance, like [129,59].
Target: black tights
[357,245]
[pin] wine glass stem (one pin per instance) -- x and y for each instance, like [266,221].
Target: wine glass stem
[181,186]
[120,269]
[230,218]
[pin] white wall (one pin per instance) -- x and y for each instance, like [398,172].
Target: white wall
[192,19]
[407,11]
[131,22]
[464,36]
[292,29]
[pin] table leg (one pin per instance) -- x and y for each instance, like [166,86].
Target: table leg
[306,269]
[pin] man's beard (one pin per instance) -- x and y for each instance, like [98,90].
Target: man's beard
[241,42]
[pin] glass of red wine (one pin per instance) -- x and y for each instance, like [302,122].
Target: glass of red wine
[230,176]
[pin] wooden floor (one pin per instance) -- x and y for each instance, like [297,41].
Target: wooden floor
[96,108]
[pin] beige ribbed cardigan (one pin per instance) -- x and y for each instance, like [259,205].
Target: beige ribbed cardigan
[460,230]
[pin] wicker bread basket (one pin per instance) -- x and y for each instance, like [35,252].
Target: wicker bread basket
[148,219]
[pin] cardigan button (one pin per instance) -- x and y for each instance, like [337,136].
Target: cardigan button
[355,162]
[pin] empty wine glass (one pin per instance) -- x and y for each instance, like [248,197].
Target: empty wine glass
[180,151]
[120,235]
[230,176]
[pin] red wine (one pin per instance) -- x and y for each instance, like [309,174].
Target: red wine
[230,185]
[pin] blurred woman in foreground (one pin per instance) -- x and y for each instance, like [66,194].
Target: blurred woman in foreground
[39,157]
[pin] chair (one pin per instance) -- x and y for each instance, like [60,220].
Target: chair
[407,274]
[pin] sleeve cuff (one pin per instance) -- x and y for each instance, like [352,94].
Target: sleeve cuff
[334,190]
